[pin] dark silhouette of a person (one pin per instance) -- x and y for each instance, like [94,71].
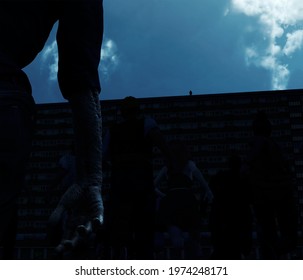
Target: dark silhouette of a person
[273,192]
[179,209]
[231,216]
[25,27]
[130,214]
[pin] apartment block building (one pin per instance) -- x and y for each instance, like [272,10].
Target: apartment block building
[212,126]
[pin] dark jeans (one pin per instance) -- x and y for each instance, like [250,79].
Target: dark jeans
[277,227]
[129,222]
[16,125]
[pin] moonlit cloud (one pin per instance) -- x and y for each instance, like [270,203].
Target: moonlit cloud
[109,58]
[50,59]
[251,54]
[293,43]
[281,25]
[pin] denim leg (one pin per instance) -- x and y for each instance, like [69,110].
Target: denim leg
[86,112]
[86,192]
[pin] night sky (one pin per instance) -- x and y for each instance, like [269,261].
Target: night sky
[168,47]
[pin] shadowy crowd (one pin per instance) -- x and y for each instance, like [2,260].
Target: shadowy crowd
[143,214]
[248,205]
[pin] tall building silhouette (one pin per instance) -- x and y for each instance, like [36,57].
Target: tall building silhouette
[210,125]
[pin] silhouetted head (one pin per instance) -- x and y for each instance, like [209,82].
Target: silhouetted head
[129,107]
[261,125]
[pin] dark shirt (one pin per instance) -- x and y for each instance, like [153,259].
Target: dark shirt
[129,146]
[26,25]
[130,150]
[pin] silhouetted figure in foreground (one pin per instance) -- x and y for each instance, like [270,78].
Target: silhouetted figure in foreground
[130,215]
[25,28]
[273,193]
[231,216]
[179,210]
